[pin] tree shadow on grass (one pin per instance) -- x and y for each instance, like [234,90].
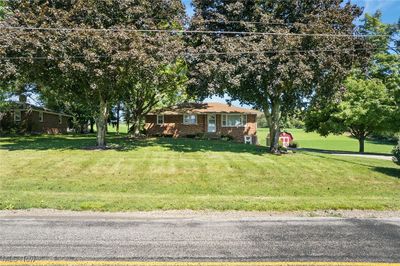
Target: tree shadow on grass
[124,144]
[389,171]
[199,145]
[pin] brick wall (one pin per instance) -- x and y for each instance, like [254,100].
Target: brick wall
[238,133]
[30,123]
[173,126]
[50,124]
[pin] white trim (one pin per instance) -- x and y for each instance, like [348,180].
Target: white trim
[41,116]
[162,120]
[189,124]
[215,129]
[248,139]
[243,118]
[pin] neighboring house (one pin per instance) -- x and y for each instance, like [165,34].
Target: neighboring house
[27,118]
[211,119]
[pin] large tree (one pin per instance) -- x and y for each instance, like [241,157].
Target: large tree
[83,47]
[371,102]
[361,109]
[143,93]
[385,62]
[273,55]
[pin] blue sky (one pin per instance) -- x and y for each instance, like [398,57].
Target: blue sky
[390,14]
[389,8]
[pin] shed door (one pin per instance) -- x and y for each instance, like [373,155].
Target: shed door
[211,123]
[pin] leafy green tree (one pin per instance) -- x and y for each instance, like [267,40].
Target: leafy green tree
[385,62]
[361,109]
[2,9]
[81,111]
[143,95]
[88,46]
[372,103]
[274,72]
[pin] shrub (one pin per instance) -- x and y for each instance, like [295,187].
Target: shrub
[200,136]
[282,149]
[227,137]
[294,145]
[396,154]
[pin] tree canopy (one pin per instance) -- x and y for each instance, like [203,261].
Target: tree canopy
[361,109]
[370,102]
[86,49]
[292,51]
[385,62]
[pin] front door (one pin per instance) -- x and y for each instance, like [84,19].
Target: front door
[211,123]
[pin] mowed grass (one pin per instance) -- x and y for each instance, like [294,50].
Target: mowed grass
[332,142]
[58,172]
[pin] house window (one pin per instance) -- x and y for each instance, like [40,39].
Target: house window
[234,120]
[189,119]
[160,119]
[41,118]
[60,119]
[17,116]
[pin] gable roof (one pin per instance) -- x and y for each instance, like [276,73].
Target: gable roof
[28,106]
[204,108]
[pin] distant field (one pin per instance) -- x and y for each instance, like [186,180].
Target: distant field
[332,142]
[60,172]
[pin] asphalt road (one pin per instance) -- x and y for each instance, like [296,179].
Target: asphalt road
[199,239]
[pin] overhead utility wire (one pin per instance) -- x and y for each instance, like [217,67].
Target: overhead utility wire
[191,32]
[197,53]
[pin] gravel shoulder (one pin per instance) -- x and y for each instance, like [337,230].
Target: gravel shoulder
[206,215]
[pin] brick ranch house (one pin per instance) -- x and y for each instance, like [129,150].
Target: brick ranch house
[211,119]
[27,118]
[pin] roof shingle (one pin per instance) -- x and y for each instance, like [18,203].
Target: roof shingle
[204,108]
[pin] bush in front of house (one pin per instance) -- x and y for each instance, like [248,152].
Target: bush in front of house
[396,154]
[227,137]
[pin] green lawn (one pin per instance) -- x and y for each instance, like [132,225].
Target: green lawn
[332,142]
[57,172]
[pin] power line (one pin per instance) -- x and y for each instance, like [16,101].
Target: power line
[190,32]
[195,54]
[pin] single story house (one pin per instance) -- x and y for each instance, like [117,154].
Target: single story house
[211,119]
[27,118]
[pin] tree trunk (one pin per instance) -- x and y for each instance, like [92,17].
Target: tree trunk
[118,118]
[274,126]
[138,124]
[361,141]
[91,122]
[127,119]
[135,128]
[101,123]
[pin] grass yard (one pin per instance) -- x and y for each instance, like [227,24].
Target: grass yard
[332,142]
[58,172]
[315,141]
